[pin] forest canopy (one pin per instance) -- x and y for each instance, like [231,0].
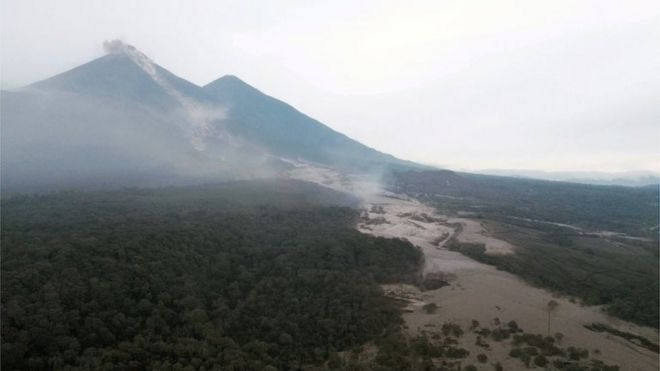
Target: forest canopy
[241,276]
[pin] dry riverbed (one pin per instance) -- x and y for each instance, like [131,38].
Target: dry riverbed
[480,292]
[476,291]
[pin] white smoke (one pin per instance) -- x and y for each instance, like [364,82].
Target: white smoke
[200,116]
[116,47]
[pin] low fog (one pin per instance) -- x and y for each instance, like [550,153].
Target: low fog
[57,140]
[82,129]
[122,120]
[549,85]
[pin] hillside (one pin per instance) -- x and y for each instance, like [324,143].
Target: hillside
[284,131]
[122,119]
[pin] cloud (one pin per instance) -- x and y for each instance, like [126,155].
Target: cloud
[117,46]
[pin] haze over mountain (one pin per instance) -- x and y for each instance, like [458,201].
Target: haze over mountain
[246,235]
[629,179]
[123,120]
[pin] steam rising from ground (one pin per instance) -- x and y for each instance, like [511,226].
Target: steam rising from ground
[121,119]
[202,117]
[365,185]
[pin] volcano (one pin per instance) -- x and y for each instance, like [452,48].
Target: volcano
[123,120]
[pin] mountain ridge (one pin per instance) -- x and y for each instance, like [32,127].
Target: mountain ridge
[253,104]
[142,116]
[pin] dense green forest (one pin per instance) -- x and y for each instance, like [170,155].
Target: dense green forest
[623,209]
[262,275]
[245,276]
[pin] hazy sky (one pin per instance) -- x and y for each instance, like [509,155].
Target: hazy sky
[549,85]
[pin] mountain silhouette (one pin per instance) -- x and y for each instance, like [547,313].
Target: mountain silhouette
[121,119]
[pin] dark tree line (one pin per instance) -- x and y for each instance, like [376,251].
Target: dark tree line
[174,280]
[633,210]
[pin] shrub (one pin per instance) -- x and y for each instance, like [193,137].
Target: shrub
[483,332]
[480,342]
[518,339]
[452,328]
[577,353]
[513,327]
[482,358]
[559,364]
[335,361]
[540,361]
[452,352]
[527,359]
[430,308]
[531,351]
[499,334]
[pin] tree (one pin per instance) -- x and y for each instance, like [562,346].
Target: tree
[540,361]
[551,308]
[335,361]
[430,308]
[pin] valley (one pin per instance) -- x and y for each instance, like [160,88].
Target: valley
[475,291]
[152,223]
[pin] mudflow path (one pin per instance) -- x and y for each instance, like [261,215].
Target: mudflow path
[476,291]
[480,292]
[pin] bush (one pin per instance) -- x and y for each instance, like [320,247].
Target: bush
[452,329]
[482,358]
[531,351]
[430,308]
[577,353]
[559,364]
[499,334]
[527,359]
[540,361]
[335,361]
[483,332]
[452,352]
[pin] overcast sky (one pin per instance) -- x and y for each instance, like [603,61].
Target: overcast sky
[547,85]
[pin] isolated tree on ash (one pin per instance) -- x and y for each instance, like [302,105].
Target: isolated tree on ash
[551,308]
